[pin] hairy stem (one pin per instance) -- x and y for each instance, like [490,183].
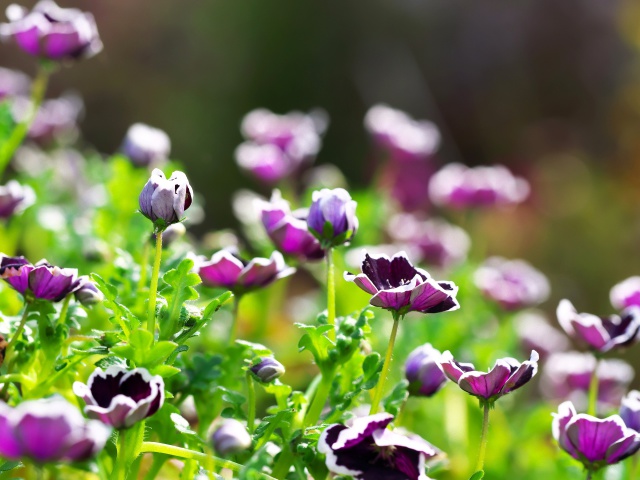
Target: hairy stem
[251,402]
[377,396]
[153,290]
[593,390]
[331,293]
[483,438]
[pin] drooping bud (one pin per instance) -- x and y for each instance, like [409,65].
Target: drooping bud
[267,369]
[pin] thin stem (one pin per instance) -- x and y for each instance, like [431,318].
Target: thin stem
[64,310]
[283,465]
[483,438]
[144,261]
[319,400]
[589,474]
[377,396]
[233,332]
[593,390]
[120,468]
[14,338]
[251,402]
[38,89]
[331,293]
[153,290]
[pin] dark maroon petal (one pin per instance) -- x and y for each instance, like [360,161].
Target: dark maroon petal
[387,273]
[136,386]
[362,428]
[524,372]
[105,386]
[434,297]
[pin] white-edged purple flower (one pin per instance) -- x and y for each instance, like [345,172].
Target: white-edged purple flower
[88,293]
[332,216]
[397,285]
[14,198]
[601,334]
[288,230]
[506,375]
[265,162]
[55,121]
[267,369]
[13,83]
[436,241]
[626,293]
[630,410]
[513,284]
[567,375]
[458,186]
[225,270]
[164,201]
[145,145]
[406,139]
[41,281]
[230,437]
[593,441]
[367,450]
[121,397]
[422,371]
[51,32]
[49,430]
[535,333]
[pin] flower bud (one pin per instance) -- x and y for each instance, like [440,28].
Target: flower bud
[230,437]
[145,145]
[332,216]
[268,369]
[164,201]
[88,294]
[423,372]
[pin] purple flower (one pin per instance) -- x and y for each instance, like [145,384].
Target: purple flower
[51,32]
[397,285]
[437,242]
[600,333]
[41,280]
[423,372]
[14,198]
[369,451]
[626,294]
[145,145]
[458,186]
[13,83]
[87,293]
[267,369]
[535,333]
[513,284]
[55,120]
[289,231]
[164,201]
[630,410]
[506,375]
[121,397]
[566,376]
[49,430]
[230,437]
[403,137]
[332,216]
[266,162]
[593,441]
[228,271]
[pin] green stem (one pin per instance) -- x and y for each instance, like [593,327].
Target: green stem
[251,402]
[377,396]
[38,89]
[319,399]
[593,390]
[483,438]
[64,310]
[9,350]
[144,262]
[633,468]
[153,290]
[331,293]
[589,474]
[120,468]
[283,465]
[233,332]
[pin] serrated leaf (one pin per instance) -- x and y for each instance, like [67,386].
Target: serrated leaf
[316,342]
[165,371]
[159,353]
[180,282]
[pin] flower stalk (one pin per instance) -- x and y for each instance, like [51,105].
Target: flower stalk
[331,293]
[233,331]
[377,396]
[251,402]
[14,338]
[153,290]
[484,437]
[593,390]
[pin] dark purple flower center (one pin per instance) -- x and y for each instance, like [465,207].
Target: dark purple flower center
[386,274]
[104,389]
[136,387]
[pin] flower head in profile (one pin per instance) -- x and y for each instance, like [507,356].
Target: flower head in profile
[367,450]
[56,120]
[399,286]
[119,397]
[51,32]
[164,201]
[626,294]
[422,371]
[49,430]
[226,270]
[513,284]
[40,281]
[506,376]
[14,198]
[630,410]
[88,293]
[267,369]
[145,145]
[332,216]
[595,442]
[600,334]
[230,437]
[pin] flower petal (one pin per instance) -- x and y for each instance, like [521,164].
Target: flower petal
[486,385]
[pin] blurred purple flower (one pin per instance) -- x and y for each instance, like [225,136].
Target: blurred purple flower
[49,430]
[13,83]
[289,231]
[423,372]
[230,437]
[267,369]
[566,376]
[594,442]
[535,333]
[458,186]
[145,145]
[397,285]
[228,271]
[51,32]
[164,201]
[513,284]
[506,375]
[41,281]
[266,162]
[120,397]
[56,119]
[332,216]
[437,242]
[600,333]
[87,293]
[630,410]
[14,198]
[369,451]
[626,294]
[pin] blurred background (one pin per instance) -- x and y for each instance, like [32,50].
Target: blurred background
[551,89]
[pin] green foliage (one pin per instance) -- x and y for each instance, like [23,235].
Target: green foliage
[179,290]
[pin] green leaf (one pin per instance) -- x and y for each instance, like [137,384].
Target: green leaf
[478,475]
[371,364]
[394,401]
[215,305]
[122,315]
[7,466]
[316,342]
[180,282]
[181,424]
